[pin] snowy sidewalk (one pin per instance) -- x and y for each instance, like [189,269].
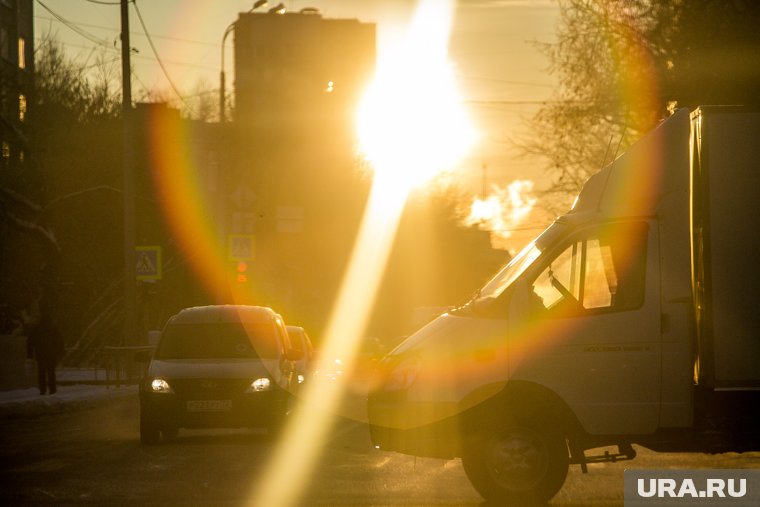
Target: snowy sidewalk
[76,389]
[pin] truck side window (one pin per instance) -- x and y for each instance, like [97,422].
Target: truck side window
[564,269]
[602,270]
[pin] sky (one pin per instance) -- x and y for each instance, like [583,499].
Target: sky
[500,73]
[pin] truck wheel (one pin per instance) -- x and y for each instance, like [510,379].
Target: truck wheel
[516,464]
[149,432]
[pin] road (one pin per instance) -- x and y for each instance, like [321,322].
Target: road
[93,456]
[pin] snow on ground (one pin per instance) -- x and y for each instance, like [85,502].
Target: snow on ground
[77,388]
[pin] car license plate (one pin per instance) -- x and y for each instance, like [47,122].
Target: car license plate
[209,405]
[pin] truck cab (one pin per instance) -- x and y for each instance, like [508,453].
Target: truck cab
[587,338]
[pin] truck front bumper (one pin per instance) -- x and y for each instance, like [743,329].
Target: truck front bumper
[419,429]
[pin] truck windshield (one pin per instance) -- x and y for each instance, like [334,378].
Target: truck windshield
[520,262]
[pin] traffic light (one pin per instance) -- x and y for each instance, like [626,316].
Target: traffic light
[242,272]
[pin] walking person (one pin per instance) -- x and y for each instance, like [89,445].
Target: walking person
[46,345]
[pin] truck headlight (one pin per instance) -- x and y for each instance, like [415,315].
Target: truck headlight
[403,374]
[259,385]
[159,385]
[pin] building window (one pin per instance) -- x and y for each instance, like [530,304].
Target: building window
[5,152]
[22,107]
[21,53]
[5,102]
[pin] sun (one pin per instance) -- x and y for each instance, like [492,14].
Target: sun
[412,123]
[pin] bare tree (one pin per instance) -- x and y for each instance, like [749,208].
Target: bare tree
[623,65]
[59,215]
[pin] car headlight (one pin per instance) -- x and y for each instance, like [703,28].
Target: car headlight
[301,378]
[159,385]
[403,374]
[259,385]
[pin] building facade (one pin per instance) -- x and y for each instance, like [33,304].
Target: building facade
[21,253]
[295,174]
[298,81]
[16,83]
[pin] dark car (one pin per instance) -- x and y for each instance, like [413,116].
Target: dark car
[216,367]
[303,347]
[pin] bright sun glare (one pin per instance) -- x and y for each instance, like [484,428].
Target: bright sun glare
[412,125]
[411,122]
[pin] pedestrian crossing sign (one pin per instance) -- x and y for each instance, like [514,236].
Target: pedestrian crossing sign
[241,247]
[148,262]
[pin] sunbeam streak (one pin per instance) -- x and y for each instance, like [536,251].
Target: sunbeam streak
[412,126]
[300,448]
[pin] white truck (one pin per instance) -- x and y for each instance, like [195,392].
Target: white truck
[632,319]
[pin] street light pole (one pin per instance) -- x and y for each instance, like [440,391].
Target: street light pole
[222,93]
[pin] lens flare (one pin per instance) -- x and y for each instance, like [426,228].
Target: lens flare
[177,179]
[411,126]
[181,182]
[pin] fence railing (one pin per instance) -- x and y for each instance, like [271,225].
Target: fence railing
[121,364]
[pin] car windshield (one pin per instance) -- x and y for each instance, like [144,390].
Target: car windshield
[218,340]
[509,273]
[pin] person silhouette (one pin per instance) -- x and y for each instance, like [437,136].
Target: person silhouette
[46,346]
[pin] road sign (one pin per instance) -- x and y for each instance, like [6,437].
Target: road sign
[148,262]
[243,222]
[241,247]
[243,198]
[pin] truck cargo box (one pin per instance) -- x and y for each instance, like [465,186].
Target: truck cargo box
[725,244]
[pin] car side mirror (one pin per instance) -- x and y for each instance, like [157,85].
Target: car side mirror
[293,355]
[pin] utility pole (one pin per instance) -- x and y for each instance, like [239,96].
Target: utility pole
[130,290]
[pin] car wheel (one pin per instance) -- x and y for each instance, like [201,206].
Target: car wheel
[517,464]
[149,432]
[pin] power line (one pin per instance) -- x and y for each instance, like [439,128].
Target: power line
[74,27]
[506,81]
[217,45]
[508,102]
[97,64]
[158,58]
[103,43]
[72,24]
[138,56]
[116,31]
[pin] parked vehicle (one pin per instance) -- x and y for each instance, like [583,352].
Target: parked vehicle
[630,320]
[303,347]
[218,366]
